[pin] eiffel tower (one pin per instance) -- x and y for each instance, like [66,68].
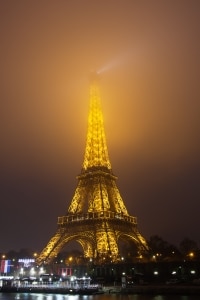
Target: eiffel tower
[97,217]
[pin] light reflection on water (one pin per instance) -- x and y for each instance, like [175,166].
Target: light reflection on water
[26,296]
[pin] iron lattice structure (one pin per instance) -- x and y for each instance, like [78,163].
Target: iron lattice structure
[97,217]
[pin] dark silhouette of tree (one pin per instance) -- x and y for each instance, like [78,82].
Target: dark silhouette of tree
[162,250]
[25,253]
[12,254]
[157,244]
[188,246]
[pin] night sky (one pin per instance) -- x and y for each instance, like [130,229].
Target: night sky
[151,106]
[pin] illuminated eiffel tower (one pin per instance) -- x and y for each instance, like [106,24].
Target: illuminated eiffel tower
[97,217]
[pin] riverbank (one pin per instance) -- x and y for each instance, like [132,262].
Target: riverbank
[162,290]
[136,290]
[51,290]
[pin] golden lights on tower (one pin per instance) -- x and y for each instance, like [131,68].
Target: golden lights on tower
[96,152]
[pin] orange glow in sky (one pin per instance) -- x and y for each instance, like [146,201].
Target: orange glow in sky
[150,106]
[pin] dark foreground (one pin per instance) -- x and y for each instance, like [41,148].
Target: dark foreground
[163,290]
[136,290]
[51,290]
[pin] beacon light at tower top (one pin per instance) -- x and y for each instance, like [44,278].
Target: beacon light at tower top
[116,62]
[94,76]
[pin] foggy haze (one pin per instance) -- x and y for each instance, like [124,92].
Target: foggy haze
[150,101]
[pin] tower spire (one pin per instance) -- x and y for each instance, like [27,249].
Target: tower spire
[96,152]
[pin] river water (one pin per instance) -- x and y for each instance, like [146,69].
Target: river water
[28,296]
